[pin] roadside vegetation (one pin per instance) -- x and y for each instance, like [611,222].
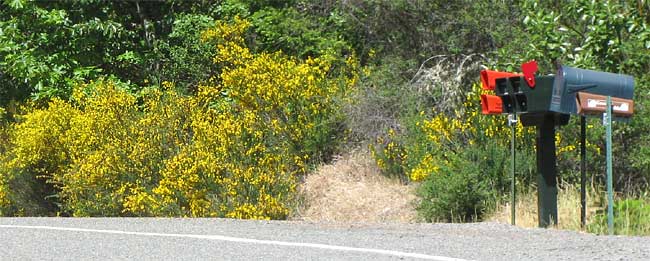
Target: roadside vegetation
[630,212]
[227,108]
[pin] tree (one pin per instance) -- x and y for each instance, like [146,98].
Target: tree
[610,36]
[47,47]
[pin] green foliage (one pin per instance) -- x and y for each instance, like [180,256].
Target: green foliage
[610,36]
[458,191]
[47,47]
[45,51]
[299,34]
[602,35]
[631,217]
[184,58]
[420,29]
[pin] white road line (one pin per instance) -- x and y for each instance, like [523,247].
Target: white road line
[247,240]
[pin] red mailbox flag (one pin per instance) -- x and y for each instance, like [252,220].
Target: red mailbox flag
[488,78]
[491,104]
[529,69]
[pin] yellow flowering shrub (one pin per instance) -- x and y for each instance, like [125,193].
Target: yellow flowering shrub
[254,131]
[84,156]
[444,134]
[122,147]
[34,153]
[432,136]
[429,140]
[235,149]
[4,201]
[389,154]
[462,159]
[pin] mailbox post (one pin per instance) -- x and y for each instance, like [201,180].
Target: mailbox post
[547,173]
[548,101]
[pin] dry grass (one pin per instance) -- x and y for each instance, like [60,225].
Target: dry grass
[352,190]
[568,208]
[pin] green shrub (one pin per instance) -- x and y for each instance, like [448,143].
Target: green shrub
[298,33]
[459,191]
[185,59]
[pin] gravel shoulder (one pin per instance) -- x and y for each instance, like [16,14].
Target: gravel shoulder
[477,241]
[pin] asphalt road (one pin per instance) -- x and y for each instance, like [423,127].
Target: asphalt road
[224,239]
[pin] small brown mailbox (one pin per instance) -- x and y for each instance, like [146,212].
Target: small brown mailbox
[590,104]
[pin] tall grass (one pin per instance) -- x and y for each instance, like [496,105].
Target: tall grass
[631,215]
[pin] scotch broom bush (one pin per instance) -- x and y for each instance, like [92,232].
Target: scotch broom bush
[235,149]
[461,159]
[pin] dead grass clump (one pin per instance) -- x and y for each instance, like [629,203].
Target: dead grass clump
[353,190]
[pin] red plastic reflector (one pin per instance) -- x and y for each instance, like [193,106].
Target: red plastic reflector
[529,69]
[491,104]
[488,78]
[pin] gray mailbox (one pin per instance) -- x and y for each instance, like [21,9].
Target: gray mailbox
[569,82]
